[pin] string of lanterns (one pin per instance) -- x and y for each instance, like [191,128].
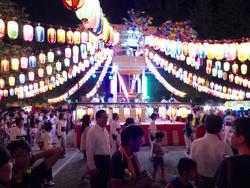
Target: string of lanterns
[230,51]
[84,79]
[100,79]
[163,81]
[198,82]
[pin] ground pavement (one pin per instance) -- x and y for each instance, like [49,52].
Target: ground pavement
[67,171]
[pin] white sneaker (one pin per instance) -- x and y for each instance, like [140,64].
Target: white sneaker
[50,183]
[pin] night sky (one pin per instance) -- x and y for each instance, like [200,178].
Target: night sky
[54,12]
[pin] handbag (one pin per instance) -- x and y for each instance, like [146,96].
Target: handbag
[229,172]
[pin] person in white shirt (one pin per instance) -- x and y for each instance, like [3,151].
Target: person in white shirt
[53,120]
[209,151]
[48,144]
[18,131]
[61,132]
[115,128]
[98,151]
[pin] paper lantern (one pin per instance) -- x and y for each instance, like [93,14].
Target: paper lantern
[208,70]
[84,37]
[245,82]
[5,93]
[2,29]
[24,62]
[235,68]
[185,48]
[77,37]
[50,56]
[12,92]
[15,64]
[49,70]
[211,51]
[226,66]
[218,65]
[31,76]
[68,52]
[41,83]
[69,37]
[73,4]
[220,74]
[219,51]
[225,75]
[66,62]
[243,69]
[42,58]
[231,51]
[22,78]
[5,65]
[32,61]
[243,50]
[12,81]
[2,83]
[51,35]
[40,72]
[231,77]
[28,32]
[201,51]
[192,49]
[12,28]
[58,66]
[39,34]
[61,36]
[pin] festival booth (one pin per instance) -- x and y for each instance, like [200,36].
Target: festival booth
[166,122]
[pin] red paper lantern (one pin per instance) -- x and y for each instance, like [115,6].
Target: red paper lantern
[73,4]
[51,35]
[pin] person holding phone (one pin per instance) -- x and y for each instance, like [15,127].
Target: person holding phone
[126,170]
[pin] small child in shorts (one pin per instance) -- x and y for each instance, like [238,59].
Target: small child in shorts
[158,155]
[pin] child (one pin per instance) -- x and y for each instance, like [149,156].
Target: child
[158,153]
[187,172]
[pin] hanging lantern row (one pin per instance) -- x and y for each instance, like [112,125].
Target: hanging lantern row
[51,82]
[84,79]
[199,83]
[49,69]
[213,51]
[100,79]
[163,81]
[38,33]
[15,64]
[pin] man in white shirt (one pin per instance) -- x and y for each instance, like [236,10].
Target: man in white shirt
[209,151]
[98,151]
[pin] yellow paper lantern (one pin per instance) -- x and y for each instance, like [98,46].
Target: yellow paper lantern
[2,83]
[243,50]
[15,64]
[12,81]
[243,69]
[61,36]
[77,37]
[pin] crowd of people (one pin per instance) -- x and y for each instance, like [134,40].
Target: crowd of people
[217,151]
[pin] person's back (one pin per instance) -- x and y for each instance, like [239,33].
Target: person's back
[234,171]
[209,151]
